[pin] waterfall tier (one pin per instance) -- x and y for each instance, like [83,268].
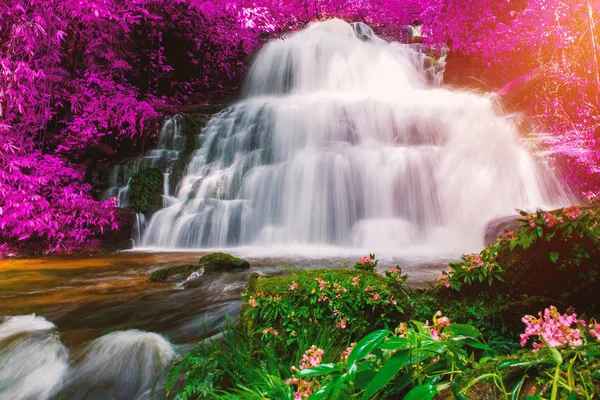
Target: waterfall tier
[344,139]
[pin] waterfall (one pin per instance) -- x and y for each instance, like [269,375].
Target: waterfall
[166,157]
[344,139]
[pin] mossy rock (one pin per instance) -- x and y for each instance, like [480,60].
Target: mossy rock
[214,262]
[174,273]
[146,190]
[222,262]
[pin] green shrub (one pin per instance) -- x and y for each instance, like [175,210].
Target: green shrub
[552,254]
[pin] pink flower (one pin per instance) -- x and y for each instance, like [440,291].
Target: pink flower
[312,357]
[252,302]
[347,352]
[595,329]
[293,286]
[439,323]
[572,212]
[556,329]
[366,260]
[270,330]
[322,283]
[369,288]
[445,279]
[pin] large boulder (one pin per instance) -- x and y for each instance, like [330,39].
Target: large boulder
[214,262]
[496,228]
[119,239]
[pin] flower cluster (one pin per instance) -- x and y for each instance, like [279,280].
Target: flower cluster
[305,388]
[473,268]
[367,263]
[573,212]
[552,220]
[553,328]
[274,332]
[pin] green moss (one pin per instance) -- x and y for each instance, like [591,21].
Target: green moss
[145,190]
[222,262]
[214,262]
[173,273]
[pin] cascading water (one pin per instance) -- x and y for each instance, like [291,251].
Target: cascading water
[33,361]
[344,139]
[166,157]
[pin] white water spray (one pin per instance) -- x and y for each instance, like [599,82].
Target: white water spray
[348,141]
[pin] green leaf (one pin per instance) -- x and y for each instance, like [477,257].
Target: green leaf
[323,392]
[554,257]
[319,370]
[539,231]
[366,345]
[478,345]
[394,343]
[386,373]
[364,375]
[518,363]
[339,385]
[462,330]
[423,392]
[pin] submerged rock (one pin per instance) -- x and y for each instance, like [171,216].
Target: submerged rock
[214,262]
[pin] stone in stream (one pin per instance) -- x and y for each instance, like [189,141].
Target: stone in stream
[214,262]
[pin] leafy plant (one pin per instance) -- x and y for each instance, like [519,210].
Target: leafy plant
[348,301]
[418,361]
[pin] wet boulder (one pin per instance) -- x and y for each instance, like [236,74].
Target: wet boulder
[210,263]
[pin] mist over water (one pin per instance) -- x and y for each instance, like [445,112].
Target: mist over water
[351,142]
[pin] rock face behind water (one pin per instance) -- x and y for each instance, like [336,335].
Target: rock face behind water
[214,262]
[496,228]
